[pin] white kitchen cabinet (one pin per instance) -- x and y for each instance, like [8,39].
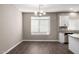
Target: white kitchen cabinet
[63,20]
[74,43]
[74,24]
[61,37]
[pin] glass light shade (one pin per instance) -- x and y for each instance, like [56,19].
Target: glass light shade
[40,14]
[44,13]
[35,12]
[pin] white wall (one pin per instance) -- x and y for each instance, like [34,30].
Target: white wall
[10,27]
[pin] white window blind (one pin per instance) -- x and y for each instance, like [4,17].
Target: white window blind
[40,25]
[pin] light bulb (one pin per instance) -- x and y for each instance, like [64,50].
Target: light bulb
[44,13]
[40,14]
[35,12]
[41,11]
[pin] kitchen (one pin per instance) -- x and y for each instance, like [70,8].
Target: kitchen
[69,30]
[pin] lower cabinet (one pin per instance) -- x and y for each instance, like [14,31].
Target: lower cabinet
[61,37]
[74,44]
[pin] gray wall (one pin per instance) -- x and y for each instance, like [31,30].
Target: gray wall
[27,28]
[10,27]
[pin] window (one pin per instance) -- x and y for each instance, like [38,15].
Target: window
[40,25]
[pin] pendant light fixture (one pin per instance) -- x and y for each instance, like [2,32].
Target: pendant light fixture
[39,12]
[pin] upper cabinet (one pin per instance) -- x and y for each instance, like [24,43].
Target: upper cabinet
[63,21]
[72,23]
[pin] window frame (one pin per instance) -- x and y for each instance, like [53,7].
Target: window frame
[41,33]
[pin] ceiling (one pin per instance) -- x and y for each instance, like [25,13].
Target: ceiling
[48,7]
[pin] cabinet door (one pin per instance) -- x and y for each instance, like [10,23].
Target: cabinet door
[61,38]
[63,20]
[74,24]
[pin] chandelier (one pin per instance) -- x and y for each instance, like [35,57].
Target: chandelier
[39,12]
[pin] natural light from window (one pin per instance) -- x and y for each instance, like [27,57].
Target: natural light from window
[40,25]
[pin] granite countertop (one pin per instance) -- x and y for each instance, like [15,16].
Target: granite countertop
[69,31]
[75,35]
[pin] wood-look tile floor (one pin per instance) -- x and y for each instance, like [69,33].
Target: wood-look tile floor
[41,48]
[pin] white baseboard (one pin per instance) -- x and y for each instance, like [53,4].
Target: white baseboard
[42,40]
[12,47]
